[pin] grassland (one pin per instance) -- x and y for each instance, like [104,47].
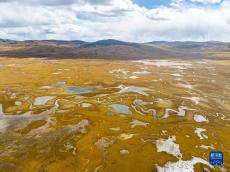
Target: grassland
[131,116]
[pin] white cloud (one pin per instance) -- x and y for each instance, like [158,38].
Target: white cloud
[56,2]
[207,1]
[117,19]
[177,3]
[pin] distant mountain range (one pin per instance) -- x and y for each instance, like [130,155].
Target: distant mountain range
[113,49]
[6,41]
[189,45]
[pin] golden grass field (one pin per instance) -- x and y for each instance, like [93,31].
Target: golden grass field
[73,115]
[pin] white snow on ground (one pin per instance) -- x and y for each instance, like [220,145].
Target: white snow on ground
[195,100]
[3,123]
[103,144]
[46,87]
[188,86]
[165,63]
[141,102]
[168,146]
[200,134]
[164,132]
[201,62]
[135,123]
[42,100]
[86,105]
[1,110]
[81,127]
[18,103]
[124,152]
[182,166]
[207,147]
[133,89]
[200,118]
[181,112]
[115,129]
[125,136]
[176,74]
[133,77]
[142,72]
[139,106]
[123,71]
[120,73]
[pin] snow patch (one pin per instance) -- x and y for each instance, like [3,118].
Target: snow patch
[115,129]
[86,105]
[142,72]
[181,112]
[133,89]
[133,77]
[42,100]
[18,103]
[200,118]
[135,123]
[124,152]
[207,147]
[200,134]
[46,87]
[165,63]
[169,146]
[125,136]
[103,144]
[181,165]
[188,86]
[195,100]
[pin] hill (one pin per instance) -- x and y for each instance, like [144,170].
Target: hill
[111,49]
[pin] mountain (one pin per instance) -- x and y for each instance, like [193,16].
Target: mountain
[110,42]
[6,41]
[57,42]
[194,46]
[112,49]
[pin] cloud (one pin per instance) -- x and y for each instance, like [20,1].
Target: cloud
[117,19]
[56,2]
[207,1]
[176,3]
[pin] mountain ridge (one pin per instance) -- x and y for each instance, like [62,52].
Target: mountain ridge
[111,49]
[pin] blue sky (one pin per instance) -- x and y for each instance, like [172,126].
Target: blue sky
[152,3]
[128,20]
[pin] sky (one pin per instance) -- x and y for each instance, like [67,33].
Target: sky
[127,20]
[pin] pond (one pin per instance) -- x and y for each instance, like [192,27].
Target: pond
[79,90]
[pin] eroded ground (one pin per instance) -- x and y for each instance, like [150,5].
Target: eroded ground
[113,116]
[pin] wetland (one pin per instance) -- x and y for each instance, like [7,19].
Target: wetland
[78,115]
